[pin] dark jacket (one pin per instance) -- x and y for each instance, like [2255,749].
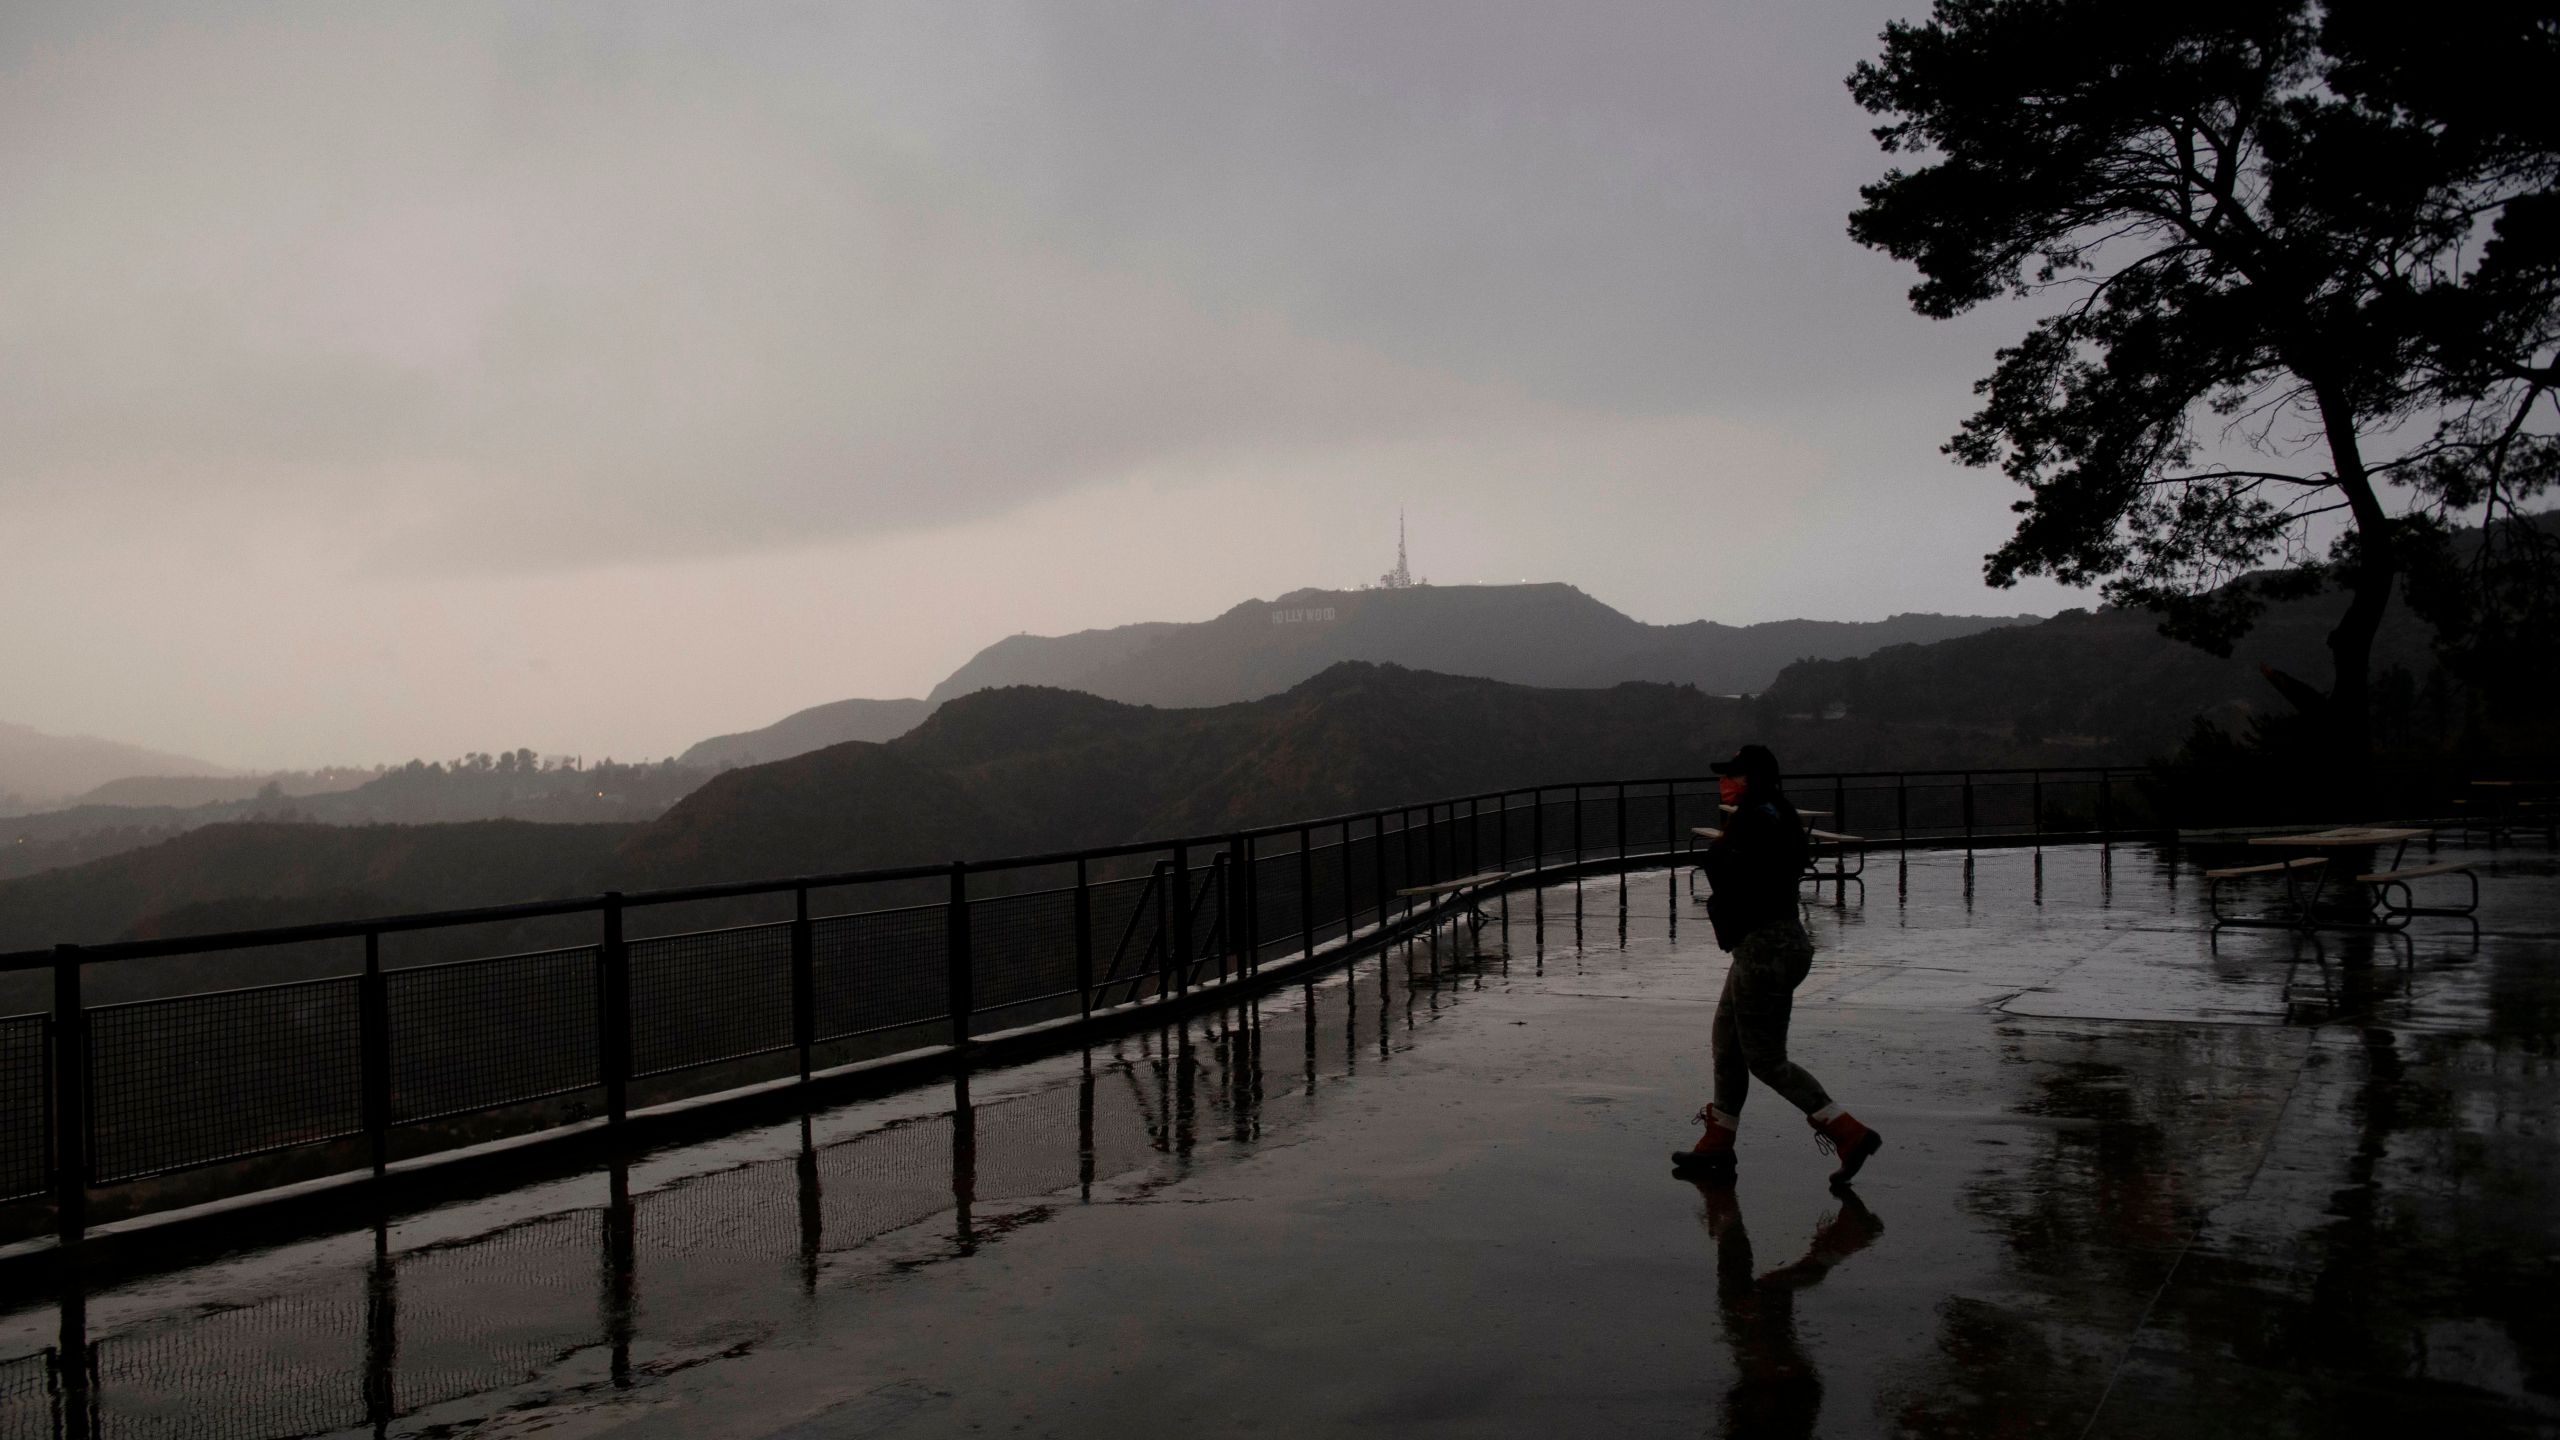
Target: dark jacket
[1753,868]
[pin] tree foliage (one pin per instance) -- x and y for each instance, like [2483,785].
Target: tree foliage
[2309,264]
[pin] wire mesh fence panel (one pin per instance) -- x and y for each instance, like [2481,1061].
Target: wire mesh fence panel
[881,969]
[1122,915]
[1648,818]
[1278,911]
[1208,891]
[198,1078]
[1692,811]
[1552,830]
[498,1309]
[1328,898]
[712,995]
[1485,838]
[26,1132]
[1022,947]
[2004,807]
[477,1034]
[287,1364]
[1599,825]
[1356,860]
[30,1397]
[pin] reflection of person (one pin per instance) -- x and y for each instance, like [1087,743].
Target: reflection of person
[1753,867]
[1776,1391]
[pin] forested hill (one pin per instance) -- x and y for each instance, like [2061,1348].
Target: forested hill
[1551,635]
[805,730]
[996,773]
[2107,682]
[1031,769]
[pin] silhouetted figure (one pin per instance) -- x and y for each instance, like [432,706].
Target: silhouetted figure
[1753,868]
[1776,1390]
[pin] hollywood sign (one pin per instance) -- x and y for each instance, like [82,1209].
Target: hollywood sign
[1311,616]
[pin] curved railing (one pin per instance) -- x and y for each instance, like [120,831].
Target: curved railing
[367,1041]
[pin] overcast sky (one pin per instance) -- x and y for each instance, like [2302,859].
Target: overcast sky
[380,381]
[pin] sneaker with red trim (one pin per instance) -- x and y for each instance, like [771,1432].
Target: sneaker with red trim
[1843,1136]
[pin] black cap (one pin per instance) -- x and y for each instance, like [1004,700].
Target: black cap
[1750,761]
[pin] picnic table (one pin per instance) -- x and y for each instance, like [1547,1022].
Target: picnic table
[2388,901]
[2497,807]
[1829,845]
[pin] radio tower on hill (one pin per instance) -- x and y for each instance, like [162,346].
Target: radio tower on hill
[1401,577]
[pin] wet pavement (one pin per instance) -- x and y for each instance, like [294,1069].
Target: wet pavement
[2136,1182]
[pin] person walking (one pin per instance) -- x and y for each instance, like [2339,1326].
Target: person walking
[1752,869]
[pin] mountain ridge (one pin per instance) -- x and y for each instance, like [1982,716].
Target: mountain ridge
[1551,634]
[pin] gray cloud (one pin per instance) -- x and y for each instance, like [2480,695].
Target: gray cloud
[523,290]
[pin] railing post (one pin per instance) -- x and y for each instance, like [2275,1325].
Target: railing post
[1431,846]
[1378,863]
[1901,811]
[1537,834]
[1350,892]
[804,978]
[1968,812]
[955,932]
[1178,949]
[1622,827]
[1306,895]
[373,1050]
[1236,912]
[2106,815]
[1502,828]
[1578,852]
[1404,842]
[2035,809]
[1671,820]
[70,1104]
[613,1017]
[1839,805]
[1084,940]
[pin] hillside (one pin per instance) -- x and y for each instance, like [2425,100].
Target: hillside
[39,769]
[1031,768]
[2106,681]
[241,876]
[476,787]
[178,792]
[999,772]
[1552,635]
[812,729]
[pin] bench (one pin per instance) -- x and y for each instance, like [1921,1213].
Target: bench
[2292,870]
[2394,904]
[1831,844]
[1465,886]
[1840,849]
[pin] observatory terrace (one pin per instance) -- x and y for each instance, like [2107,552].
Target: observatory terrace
[2136,1182]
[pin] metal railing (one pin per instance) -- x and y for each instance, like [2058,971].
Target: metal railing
[373,1057]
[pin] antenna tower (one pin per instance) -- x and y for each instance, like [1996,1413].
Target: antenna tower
[1401,577]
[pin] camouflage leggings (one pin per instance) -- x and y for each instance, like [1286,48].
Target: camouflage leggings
[1751,1019]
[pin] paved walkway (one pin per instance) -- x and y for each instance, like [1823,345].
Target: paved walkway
[2133,1185]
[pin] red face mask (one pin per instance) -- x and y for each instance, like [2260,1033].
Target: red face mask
[1730,788]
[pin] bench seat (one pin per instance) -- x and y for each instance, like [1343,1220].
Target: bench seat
[2414,872]
[1451,887]
[2307,862]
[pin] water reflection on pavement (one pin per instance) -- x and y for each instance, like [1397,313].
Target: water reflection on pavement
[2139,1183]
